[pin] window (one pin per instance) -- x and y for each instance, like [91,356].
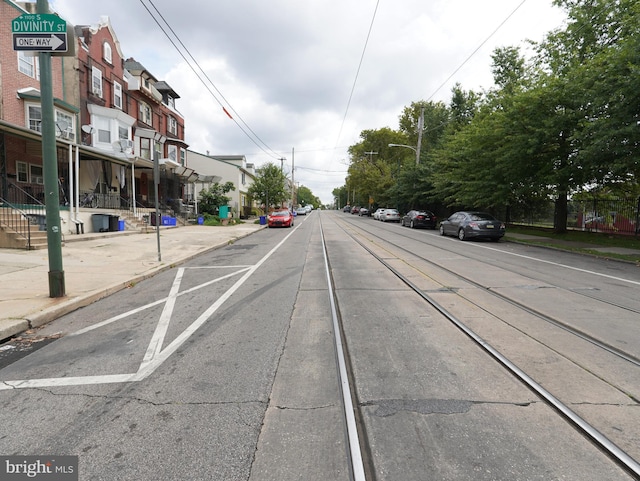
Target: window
[96,81]
[171,102]
[123,132]
[104,136]
[172,150]
[103,125]
[159,150]
[183,156]
[117,95]
[21,168]
[173,126]
[64,124]
[34,117]
[28,65]
[35,174]
[106,52]
[145,148]
[145,113]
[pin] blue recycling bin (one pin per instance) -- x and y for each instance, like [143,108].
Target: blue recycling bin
[263,220]
[200,220]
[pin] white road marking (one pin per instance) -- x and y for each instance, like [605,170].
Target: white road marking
[578,269]
[156,356]
[155,346]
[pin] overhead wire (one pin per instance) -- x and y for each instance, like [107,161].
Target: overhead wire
[476,50]
[254,137]
[355,80]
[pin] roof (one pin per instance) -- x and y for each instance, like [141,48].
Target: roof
[163,86]
[136,68]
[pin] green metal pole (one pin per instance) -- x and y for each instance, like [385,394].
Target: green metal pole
[50,168]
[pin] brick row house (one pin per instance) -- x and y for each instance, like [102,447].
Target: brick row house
[113,120]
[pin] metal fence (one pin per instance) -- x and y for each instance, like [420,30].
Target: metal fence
[614,216]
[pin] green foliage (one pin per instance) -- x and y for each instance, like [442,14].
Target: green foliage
[304,196]
[213,197]
[565,121]
[269,186]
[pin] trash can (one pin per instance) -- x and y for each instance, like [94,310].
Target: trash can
[223,212]
[100,222]
[153,218]
[113,223]
[121,225]
[263,220]
[200,220]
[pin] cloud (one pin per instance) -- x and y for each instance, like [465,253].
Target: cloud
[287,67]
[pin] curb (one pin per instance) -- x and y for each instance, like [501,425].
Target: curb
[69,305]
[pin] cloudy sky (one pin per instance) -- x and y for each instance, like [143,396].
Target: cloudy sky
[286,69]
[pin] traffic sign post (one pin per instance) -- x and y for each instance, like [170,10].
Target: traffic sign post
[43,32]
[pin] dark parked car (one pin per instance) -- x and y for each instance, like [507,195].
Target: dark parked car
[478,225]
[355,209]
[346,208]
[419,218]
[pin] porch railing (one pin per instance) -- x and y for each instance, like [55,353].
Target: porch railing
[17,220]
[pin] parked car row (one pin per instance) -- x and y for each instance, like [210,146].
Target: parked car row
[463,224]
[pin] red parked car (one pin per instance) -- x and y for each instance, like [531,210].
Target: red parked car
[280,218]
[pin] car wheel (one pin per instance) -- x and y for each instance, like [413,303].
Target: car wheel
[461,234]
[441,230]
[412,225]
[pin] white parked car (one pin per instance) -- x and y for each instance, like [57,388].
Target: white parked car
[390,215]
[377,213]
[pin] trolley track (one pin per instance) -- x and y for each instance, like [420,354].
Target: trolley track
[585,428]
[629,357]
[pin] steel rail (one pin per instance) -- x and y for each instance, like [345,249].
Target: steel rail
[355,453]
[615,452]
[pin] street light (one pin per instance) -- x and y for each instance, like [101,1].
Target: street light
[417,151]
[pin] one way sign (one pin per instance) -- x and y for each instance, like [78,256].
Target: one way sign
[41,42]
[39,32]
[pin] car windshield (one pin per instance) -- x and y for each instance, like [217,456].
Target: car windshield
[280,213]
[390,211]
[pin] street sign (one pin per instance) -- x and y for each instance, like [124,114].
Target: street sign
[39,32]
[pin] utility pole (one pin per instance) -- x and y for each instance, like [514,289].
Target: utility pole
[420,129]
[50,169]
[371,154]
[293,170]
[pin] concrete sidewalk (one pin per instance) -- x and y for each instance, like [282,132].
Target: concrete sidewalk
[96,266]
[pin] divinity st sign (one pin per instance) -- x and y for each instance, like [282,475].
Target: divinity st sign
[39,33]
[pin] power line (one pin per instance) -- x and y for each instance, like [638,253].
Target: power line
[476,50]
[255,137]
[355,80]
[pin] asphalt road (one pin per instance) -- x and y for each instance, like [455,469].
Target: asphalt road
[224,368]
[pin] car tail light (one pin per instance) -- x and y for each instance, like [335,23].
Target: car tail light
[420,217]
[474,225]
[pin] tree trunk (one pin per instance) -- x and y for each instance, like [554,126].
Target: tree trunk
[560,213]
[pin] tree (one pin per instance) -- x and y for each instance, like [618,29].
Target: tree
[213,197]
[304,196]
[269,186]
